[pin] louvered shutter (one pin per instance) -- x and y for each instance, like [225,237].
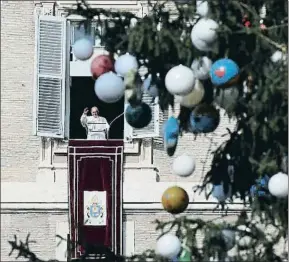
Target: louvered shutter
[152,130]
[163,116]
[51,48]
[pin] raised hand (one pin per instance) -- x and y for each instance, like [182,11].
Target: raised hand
[85,111]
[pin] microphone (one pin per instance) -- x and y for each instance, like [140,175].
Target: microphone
[111,122]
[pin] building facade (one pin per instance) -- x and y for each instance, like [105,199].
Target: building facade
[34,184]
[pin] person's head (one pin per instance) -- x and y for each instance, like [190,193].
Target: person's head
[94,111]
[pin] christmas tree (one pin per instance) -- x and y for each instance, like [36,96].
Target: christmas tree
[237,51]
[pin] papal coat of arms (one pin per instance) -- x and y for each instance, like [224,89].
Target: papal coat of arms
[95,208]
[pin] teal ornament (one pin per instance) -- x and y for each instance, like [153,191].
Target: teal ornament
[260,189]
[171,131]
[138,116]
[186,255]
[224,71]
[204,119]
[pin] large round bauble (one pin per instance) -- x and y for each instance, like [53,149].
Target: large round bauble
[175,200]
[109,88]
[202,8]
[83,49]
[204,119]
[220,194]
[124,64]
[204,30]
[168,246]
[229,237]
[138,116]
[201,67]
[193,98]
[150,88]
[227,97]
[278,185]
[224,71]
[180,80]
[100,65]
[184,165]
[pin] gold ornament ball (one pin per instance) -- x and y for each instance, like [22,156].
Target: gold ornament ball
[175,200]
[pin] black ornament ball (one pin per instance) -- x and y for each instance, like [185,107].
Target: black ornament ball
[138,116]
[204,119]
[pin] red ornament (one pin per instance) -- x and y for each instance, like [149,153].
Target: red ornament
[100,65]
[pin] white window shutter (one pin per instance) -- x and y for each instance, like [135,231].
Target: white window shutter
[163,117]
[150,131]
[51,55]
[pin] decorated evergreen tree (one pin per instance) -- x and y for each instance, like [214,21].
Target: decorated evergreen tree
[228,54]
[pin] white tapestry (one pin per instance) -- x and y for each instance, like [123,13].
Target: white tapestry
[94,203]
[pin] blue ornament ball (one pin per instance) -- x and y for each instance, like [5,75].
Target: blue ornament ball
[260,189]
[204,119]
[138,116]
[224,72]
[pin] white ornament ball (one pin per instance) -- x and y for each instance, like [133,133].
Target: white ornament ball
[184,166]
[83,49]
[278,56]
[202,8]
[201,67]
[229,237]
[200,44]
[168,246]
[227,97]
[193,98]
[180,80]
[278,185]
[219,192]
[124,64]
[109,88]
[204,34]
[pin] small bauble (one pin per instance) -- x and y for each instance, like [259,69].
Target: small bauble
[224,72]
[278,56]
[201,67]
[171,129]
[109,88]
[184,166]
[168,246]
[204,30]
[175,200]
[260,188]
[193,98]
[204,119]
[220,194]
[150,88]
[138,116]
[227,97]
[202,8]
[229,237]
[83,49]
[278,185]
[100,65]
[180,80]
[124,64]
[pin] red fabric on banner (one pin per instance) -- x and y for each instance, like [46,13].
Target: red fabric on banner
[95,166]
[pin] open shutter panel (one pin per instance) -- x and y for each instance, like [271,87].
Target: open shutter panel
[50,76]
[163,116]
[152,130]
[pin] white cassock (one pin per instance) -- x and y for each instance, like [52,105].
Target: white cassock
[96,127]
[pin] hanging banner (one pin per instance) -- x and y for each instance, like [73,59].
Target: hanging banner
[94,208]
